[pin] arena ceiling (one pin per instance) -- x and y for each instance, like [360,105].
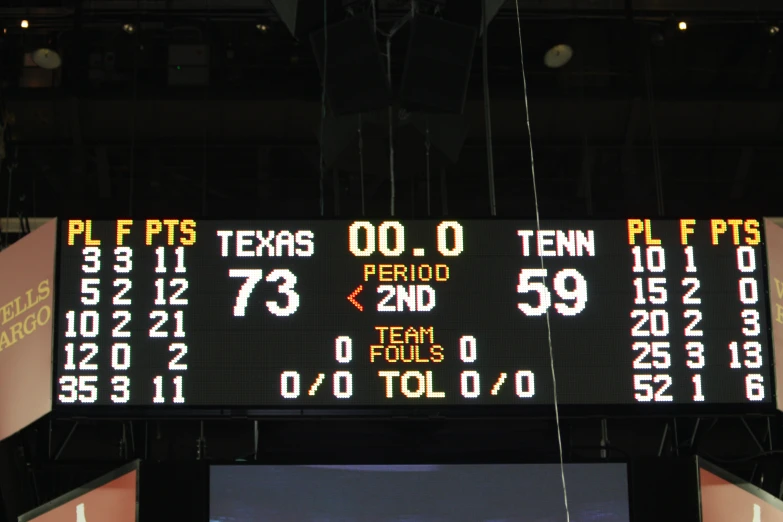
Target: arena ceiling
[109,131]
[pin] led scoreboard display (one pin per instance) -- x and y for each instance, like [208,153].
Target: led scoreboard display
[298,314]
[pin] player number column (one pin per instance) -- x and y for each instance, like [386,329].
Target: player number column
[81,330]
[746,353]
[168,322]
[120,333]
[652,360]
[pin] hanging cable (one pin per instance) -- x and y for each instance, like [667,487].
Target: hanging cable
[361,160]
[654,133]
[427,166]
[397,26]
[321,165]
[538,228]
[487,116]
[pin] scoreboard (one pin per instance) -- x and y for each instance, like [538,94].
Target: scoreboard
[314,314]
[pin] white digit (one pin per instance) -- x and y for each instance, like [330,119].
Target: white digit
[287,289]
[126,285]
[158,383]
[180,253]
[525,286]
[124,318]
[70,330]
[69,387]
[639,299]
[92,351]
[353,238]
[160,253]
[181,350]
[121,388]
[459,242]
[642,385]
[753,354]
[160,296]
[694,285]
[467,348]
[252,277]
[120,356]
[698,396]
[578,295]
[92,260]
[123,256]
[162,317]
[656,259]
[752,327]
[656,287]
[525,384]
[342,385]
[659,323]
[91,294]
[343,349]
[637,259]
[470,384]
[69,358]
[690,264]
[88,392]
[695,355]
[748,291]
[383,238]
[176,299]
[178,398]
[290,385]
[735,363]
[690,329]
[754,387]
[88,324]
[179,330]
[746,259]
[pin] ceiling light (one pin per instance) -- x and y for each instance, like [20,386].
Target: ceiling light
[774,29]
[129,28]
[558,56]
[262,27]
[682,26]
[25,24]
[46,58]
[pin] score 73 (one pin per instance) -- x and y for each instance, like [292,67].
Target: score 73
[560,283]
[253,276]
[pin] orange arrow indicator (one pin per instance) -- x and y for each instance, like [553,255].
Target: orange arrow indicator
[352,297]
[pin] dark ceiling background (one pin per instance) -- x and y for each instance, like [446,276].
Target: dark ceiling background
[110,132]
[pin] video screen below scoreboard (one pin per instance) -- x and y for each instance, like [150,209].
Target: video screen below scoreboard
[420,493]
[298,314]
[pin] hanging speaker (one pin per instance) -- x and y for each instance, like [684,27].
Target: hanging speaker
[437,66]
[354,74]
[304,16]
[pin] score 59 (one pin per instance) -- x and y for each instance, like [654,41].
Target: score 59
[568,284]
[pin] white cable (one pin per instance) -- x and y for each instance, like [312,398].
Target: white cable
[538,228]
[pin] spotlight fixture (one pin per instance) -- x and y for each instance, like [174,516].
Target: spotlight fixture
[46,58]
[558,56]
[682,25]
[25,24]
[129,28]
[773,30]
[262,27]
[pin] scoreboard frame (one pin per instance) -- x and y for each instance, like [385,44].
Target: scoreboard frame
[418,410]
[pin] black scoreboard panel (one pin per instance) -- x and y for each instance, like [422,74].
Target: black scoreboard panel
[298,314]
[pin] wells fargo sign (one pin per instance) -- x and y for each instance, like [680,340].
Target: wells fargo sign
[26,305]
